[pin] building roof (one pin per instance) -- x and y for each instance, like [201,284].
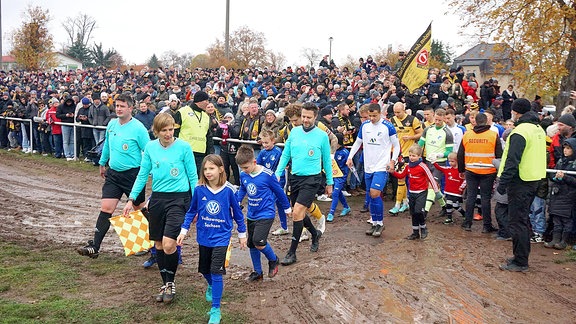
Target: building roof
[69,57]
[487,56]
[8,59]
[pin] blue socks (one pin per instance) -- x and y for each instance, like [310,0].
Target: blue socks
[269,252]
[208,278]
[377,209]
[255,256]
[217,289]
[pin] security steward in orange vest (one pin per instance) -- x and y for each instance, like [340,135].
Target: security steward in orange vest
[477,150]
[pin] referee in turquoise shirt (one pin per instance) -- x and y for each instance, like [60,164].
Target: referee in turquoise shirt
[124,143]
[308,148]
[170,163]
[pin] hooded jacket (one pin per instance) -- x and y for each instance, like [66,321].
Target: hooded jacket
[563,191]
[64,109]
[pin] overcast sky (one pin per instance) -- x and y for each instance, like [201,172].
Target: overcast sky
[138,29]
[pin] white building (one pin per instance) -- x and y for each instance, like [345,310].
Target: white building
[66,63]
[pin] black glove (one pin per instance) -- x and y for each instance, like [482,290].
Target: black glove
[501,189]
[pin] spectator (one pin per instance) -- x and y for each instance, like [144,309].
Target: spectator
[146,117]
[508,96]
[66,112]
[87,140]
[55,129]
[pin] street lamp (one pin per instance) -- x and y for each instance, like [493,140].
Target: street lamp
[330,51]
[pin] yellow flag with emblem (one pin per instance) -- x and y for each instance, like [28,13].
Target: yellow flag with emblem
[414,69]
[336,172]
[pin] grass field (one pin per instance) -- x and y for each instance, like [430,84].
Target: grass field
[52,285]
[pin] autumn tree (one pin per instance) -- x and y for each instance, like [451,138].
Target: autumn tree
[541,34]
[116,61]
[32,43]
[247,48]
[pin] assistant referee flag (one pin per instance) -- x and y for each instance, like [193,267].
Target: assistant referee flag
[414,70]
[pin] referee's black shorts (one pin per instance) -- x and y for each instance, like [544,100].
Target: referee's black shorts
[166,211]
[303,188]
[118,183]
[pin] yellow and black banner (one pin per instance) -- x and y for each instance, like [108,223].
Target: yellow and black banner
[414,69]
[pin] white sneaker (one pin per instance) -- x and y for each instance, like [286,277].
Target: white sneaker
[27,150]
[321,225]
[34,151]
[346,194]
[304,236]
[369,221]
[280,231]
[324,197]
[69,159]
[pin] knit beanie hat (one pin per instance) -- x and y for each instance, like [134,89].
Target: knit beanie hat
[568,120]
[200,96]
[521,105]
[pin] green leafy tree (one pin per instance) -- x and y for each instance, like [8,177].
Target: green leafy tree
[100,57]
[153,62]
[80,52]
[440,52]
[32,43]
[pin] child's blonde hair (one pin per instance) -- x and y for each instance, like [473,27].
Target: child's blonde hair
[415,149]
[453,155]
[217,161]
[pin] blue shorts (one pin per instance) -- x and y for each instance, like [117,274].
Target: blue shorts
[376,180]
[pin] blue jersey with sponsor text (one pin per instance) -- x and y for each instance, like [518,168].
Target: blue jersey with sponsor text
[214,210]
[270,158]
[263,189]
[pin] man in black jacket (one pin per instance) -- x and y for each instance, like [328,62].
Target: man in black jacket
[66,112]
[4,101]
[523,165]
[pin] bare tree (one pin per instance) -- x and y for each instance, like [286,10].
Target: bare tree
[311,55]
[172,59]
[277,60]
[79,29]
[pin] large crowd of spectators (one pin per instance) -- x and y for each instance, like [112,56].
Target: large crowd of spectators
[243,102]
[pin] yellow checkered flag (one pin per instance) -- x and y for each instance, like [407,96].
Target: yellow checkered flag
[133,232]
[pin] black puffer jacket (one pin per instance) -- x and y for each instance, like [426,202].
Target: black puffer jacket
[562,192]
[66,111]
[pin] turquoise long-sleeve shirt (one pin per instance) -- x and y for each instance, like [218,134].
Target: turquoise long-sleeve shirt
[172,168]
[124,144]
[309,153]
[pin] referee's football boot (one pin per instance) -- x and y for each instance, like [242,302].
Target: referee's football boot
[88,250]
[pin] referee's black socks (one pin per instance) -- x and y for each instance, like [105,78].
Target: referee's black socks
[297,227]
[102,226]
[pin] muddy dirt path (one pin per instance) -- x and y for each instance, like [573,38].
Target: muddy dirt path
[451,277]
